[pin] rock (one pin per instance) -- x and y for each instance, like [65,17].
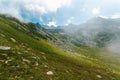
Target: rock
[6,62]
[26,51]
[2,35]
[42,52]
[13,40]
[44,58]
[36,63]
[45,66]
[1,60]
[26,60]
[4,55]
[19,52]
[99,76]
[34,57]
[49,73]
[5,48]
[32,77]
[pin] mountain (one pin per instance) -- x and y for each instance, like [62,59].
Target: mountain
[29,53]
[95,32]
[98,38]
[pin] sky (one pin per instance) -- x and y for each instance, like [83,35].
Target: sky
[60,12]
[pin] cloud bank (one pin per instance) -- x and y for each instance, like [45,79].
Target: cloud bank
[23,8]
[61,11]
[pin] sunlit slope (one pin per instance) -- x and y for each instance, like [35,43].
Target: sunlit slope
[31,59]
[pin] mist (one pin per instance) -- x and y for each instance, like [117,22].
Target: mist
[96,32]
[114,47]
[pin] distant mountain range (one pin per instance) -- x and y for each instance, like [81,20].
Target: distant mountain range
[95,32]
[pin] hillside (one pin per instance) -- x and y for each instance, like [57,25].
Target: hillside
[27,54]
[97,38]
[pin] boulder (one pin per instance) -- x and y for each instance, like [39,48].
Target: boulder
[5,48]
[49,73]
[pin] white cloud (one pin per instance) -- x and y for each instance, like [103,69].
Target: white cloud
[69,21]
[115,16]
[66,24]
[96,11]
[31,7]
[105,17]
[35,8]
[53,5]
[52,23]
[111,16]
[10,8]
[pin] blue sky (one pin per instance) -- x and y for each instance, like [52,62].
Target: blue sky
[60,12]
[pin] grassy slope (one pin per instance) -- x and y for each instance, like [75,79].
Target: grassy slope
[111,59]
[41,57]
